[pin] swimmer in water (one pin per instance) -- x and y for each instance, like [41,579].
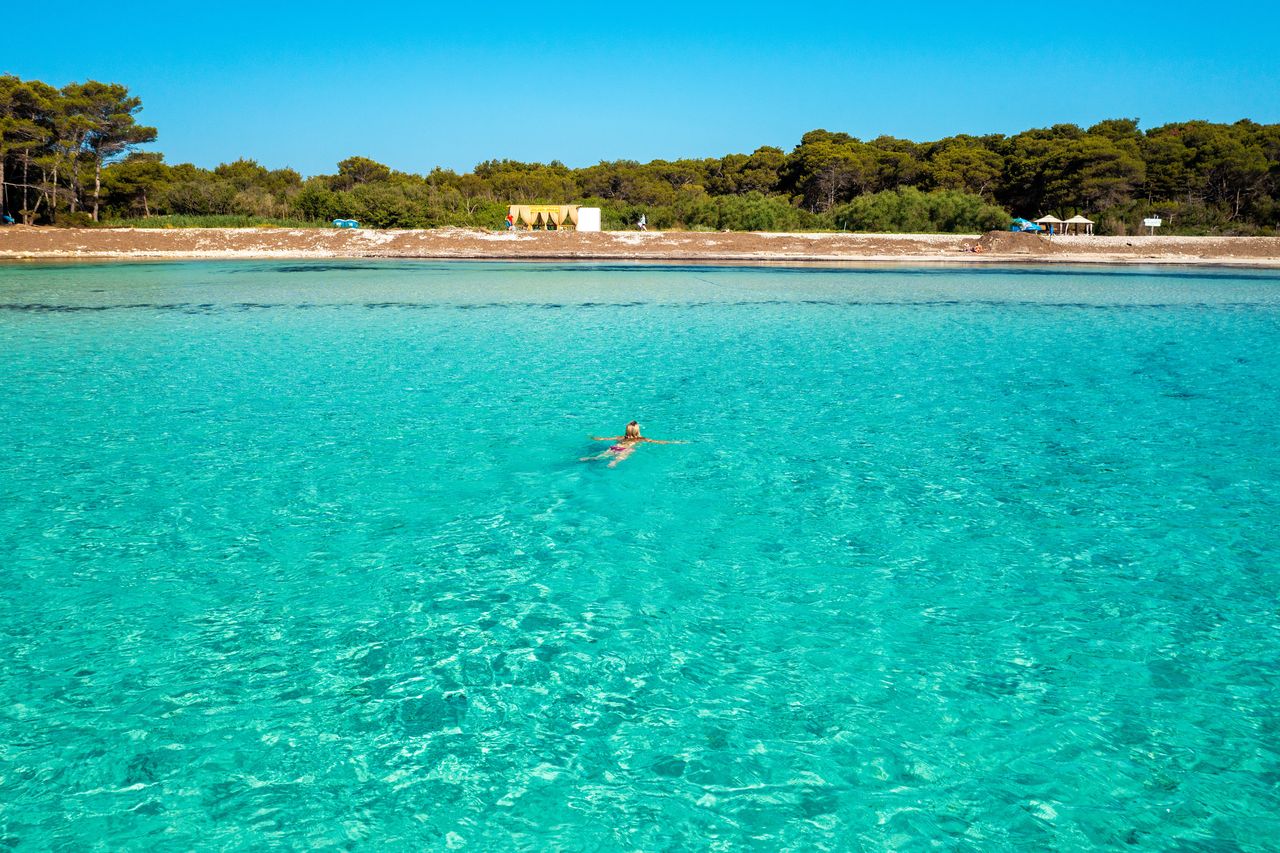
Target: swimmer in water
[624,445]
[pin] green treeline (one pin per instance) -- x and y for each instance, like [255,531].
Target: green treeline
[56,144]
[67,157]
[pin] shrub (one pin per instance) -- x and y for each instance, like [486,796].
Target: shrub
[756,212]
[909,210]
[200,198]
[79,219]
[316,201]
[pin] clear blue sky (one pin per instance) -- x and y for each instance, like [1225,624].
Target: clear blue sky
[305,85]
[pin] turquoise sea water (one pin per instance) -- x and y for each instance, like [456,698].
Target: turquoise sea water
[302,555]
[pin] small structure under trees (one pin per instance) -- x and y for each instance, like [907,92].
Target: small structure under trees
[544,215]
[1050,223]
[1076,224]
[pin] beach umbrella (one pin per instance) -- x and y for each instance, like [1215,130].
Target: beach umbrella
[1077,221]
[1051,223]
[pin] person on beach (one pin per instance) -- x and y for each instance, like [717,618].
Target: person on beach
[643,225]
[624,445]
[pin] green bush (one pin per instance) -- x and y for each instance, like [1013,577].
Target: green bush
[79,219]
[489,214]
[384,206]
[756,212]
[910,211]
[700,212]
[317,202]
[202,197]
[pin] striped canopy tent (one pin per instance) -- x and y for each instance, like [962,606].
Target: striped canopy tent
[1076,223]
[1050,223]
[544,215]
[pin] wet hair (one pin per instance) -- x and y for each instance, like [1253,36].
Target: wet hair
[633,430]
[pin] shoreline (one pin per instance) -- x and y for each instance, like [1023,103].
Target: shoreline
[25,243]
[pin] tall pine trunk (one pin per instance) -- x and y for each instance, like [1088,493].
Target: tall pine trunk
[97,187]
[4,195]
[75,184]
[26,184]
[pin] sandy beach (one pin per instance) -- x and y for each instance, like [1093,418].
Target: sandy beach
[31,243]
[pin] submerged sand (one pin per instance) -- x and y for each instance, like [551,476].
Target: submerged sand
[24,242]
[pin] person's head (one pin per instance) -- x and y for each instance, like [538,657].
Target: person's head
[633,430]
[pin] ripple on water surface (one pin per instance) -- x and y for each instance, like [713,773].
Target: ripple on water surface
[304,553]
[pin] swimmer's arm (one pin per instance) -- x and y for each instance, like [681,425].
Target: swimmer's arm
[660,441]
[606,438]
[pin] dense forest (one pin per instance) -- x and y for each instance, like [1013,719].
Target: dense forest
[70,156]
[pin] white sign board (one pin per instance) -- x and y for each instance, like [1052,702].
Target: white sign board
[588,219]
[1152,223]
